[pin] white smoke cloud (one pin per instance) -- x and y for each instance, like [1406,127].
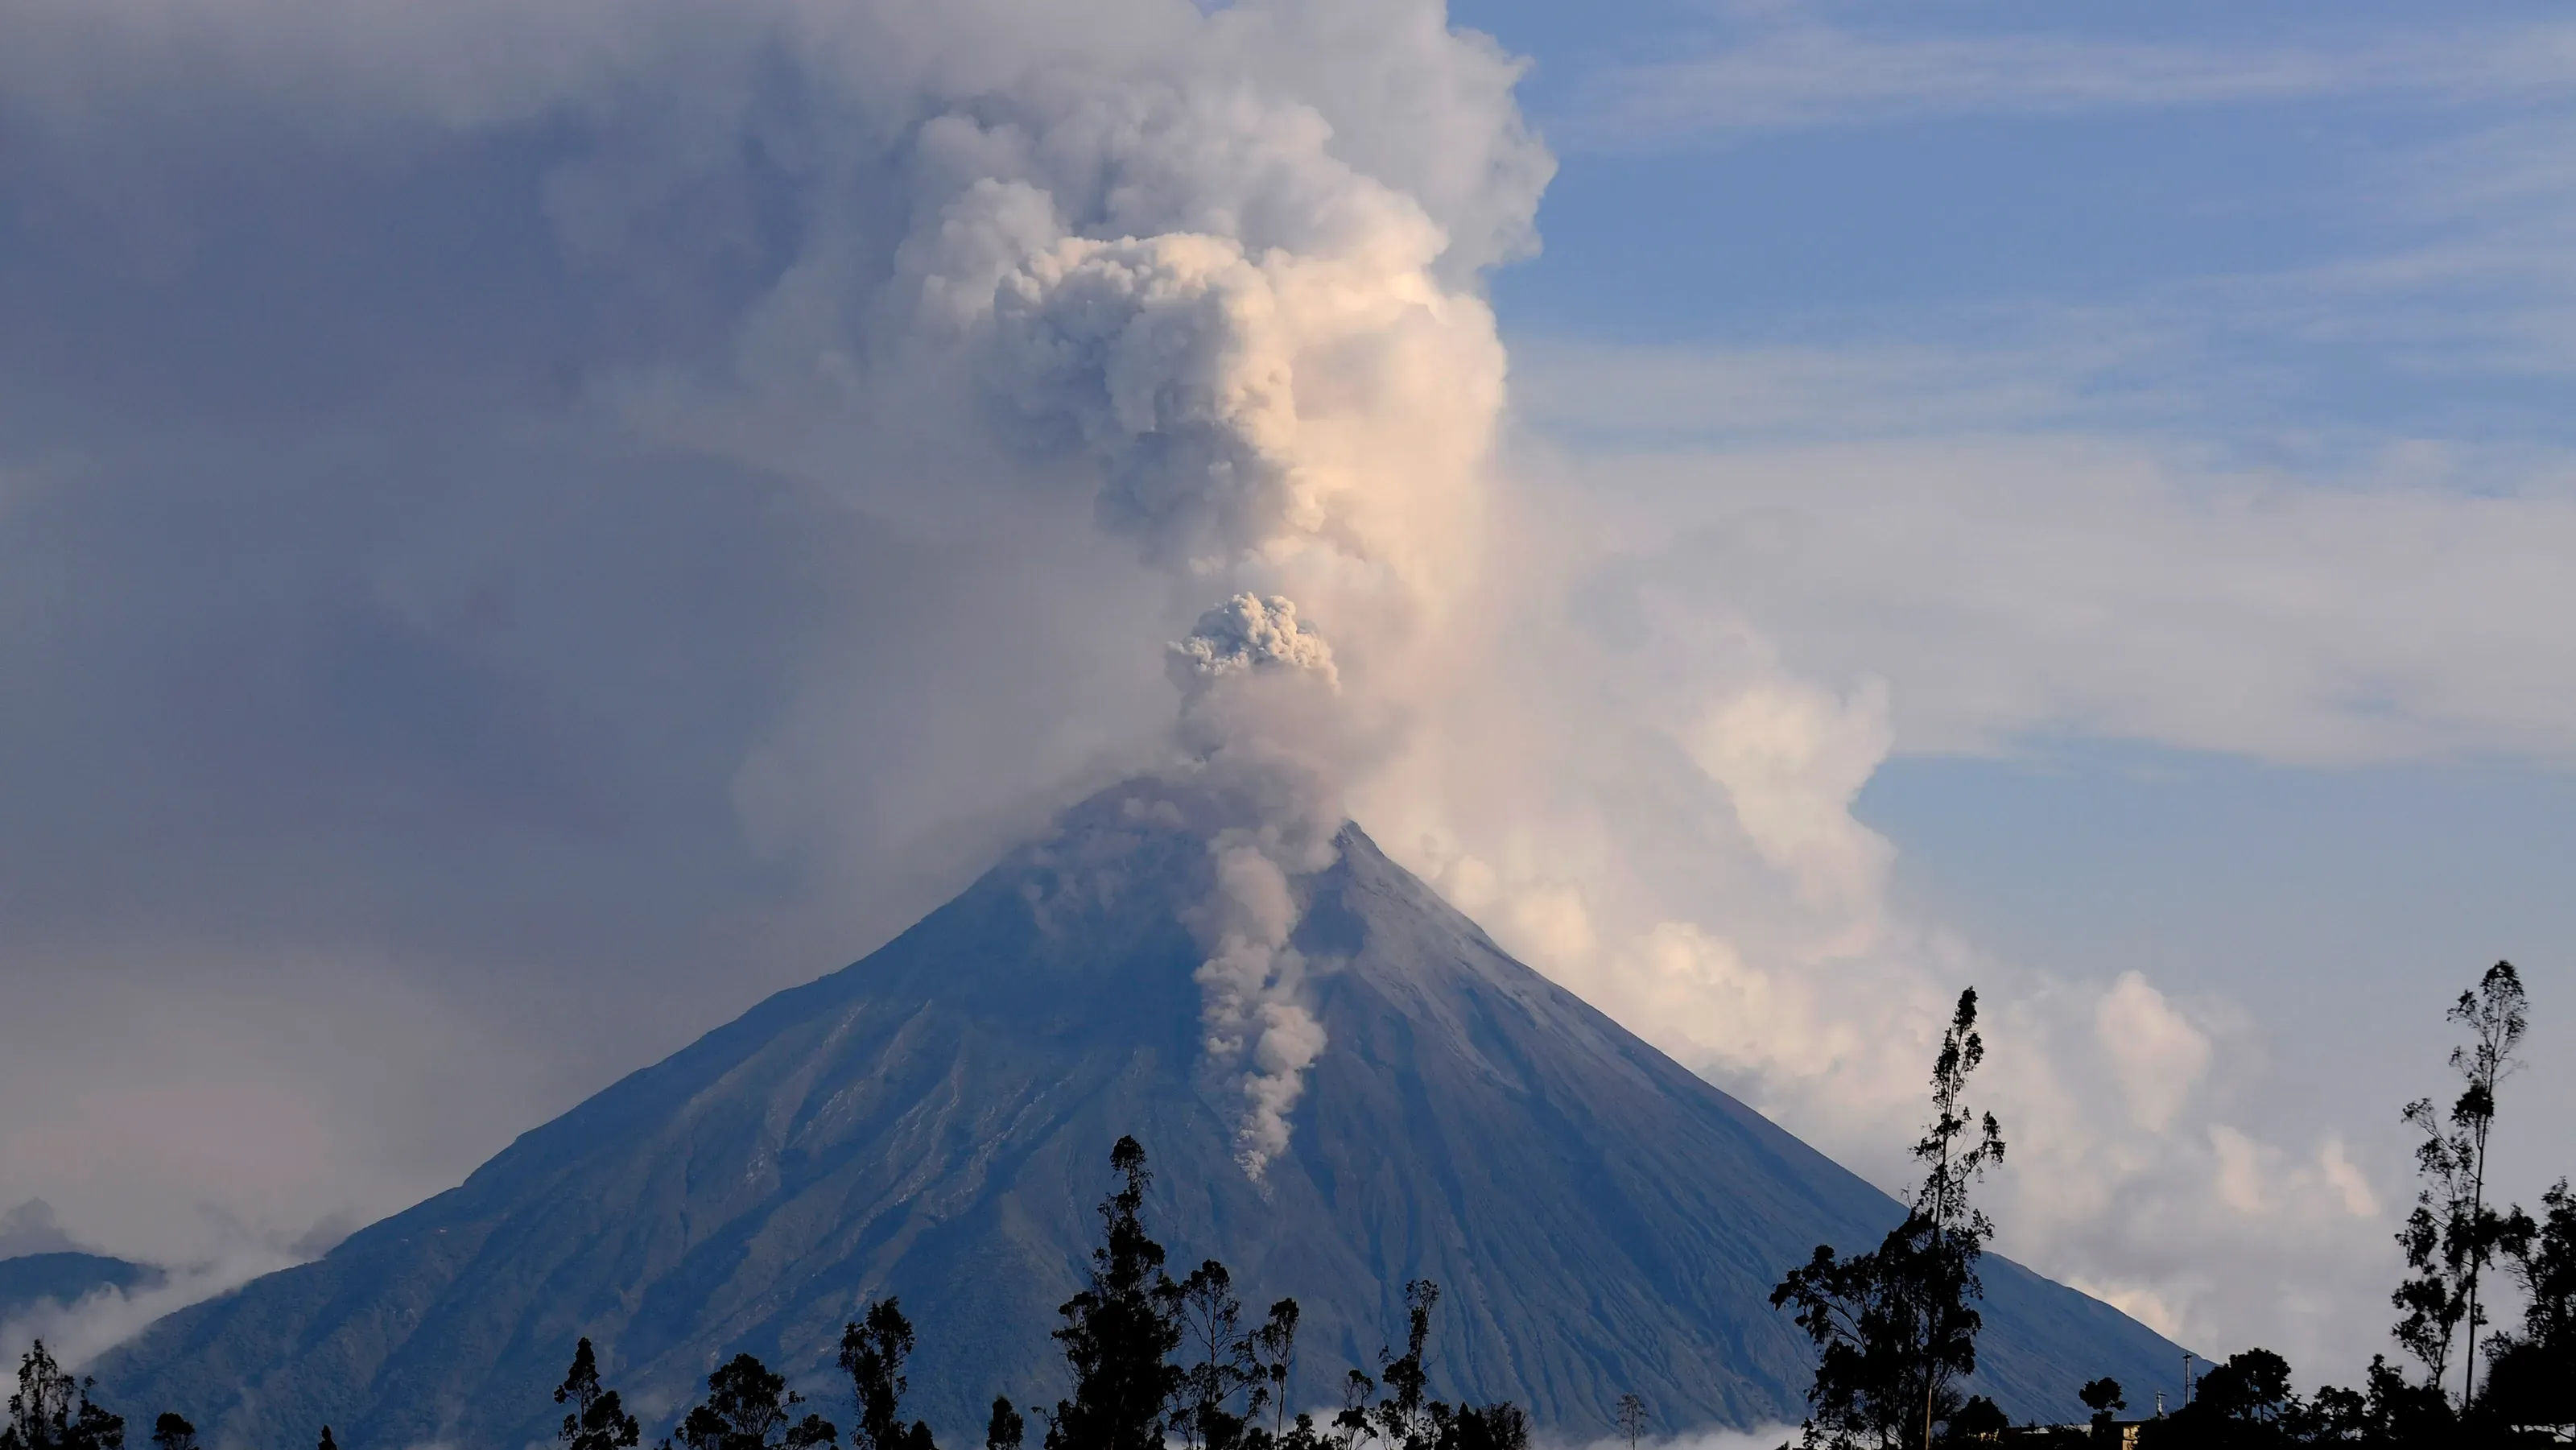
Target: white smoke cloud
[1261,1034]
[1244,634]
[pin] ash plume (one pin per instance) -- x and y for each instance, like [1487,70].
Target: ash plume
[1242,672]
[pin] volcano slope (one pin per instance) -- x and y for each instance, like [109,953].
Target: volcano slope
[934,1122]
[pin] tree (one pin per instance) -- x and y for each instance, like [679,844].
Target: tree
[2385,1411]
[2531,1377]
[52,1411]
[327,1442]
[2453,1235]
[2104,1399]
[2246,1401]
[1274,1356]
[1632,1417]
[1978,1419]
[1406,1417]
[173,1432]
[1894,1328]
[1120,1330]
[1403,1419]
[873,1352]
[1005,1429]
[594,1418]
[1221,1359]
[1498,1426]
[749,1408]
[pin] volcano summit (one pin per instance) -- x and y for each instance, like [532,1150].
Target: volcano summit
[932,1122]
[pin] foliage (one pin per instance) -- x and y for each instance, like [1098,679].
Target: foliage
[173,1432]
[1005,1429]
[1894,1328]
[52,1411]
[750,1408]
[1119,1332]
[1978,1419]
[2531,1377]
[873,1352]
[1274,1359]
[594,1418]
[2104,1398]
[1632,1418]
[1221,1363]
[1405,1417]
[2454,1234]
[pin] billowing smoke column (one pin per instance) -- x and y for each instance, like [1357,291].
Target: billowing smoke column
[1251,654]
[1282,385]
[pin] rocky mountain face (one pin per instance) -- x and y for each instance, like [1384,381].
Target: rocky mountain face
[934,1123]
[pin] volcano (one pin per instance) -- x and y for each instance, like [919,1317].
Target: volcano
[934,1122]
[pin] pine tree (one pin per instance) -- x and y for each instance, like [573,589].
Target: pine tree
[327,1442]
[595,1419]
[1120,1331]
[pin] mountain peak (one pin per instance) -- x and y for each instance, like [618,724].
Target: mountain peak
[932,1122]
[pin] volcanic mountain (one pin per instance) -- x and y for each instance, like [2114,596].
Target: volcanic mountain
[934,1122]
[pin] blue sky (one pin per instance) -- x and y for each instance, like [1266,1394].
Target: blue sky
[2325,250]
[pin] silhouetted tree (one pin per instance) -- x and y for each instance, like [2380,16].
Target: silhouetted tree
[594,1418]
[1221,1362]
[749,1408]
[1978,1419]
[2453,1234]
[1274,1357]
[873,1352]
[327,1442]
[2246,1401]
[1120,1331]
[2104,1399]
[53,1411]
[1402,1418]
[1894,1328]
[2387,1410]
[1500,1426]
[2531,1377]
[173,1432]
[1406,1417]
[1631,1416]
[1005,1429]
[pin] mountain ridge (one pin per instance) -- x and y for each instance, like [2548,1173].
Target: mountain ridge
[932,1121]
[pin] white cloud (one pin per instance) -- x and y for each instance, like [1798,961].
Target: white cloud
[2159,1054]
[1802,75]
[2011,587]
[79,1332]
